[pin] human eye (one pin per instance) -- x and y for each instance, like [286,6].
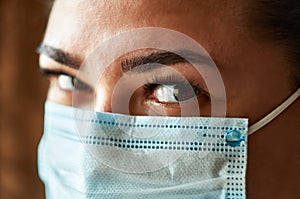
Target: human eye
[174,93]
[166,93]
[70,83]
[173,88]
[63,85]
[66,82]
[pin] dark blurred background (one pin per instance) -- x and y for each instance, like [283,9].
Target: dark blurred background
[22,94]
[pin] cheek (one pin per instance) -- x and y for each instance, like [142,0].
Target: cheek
[256,82]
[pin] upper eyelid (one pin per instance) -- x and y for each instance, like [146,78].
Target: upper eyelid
[157,79]
[49,72]
[175,78]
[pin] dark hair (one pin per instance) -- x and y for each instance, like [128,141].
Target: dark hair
[279,21]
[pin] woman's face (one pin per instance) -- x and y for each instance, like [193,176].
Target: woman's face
[251,70]
[255,74]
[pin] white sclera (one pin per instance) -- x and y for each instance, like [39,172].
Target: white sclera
[65,82]
[165,93]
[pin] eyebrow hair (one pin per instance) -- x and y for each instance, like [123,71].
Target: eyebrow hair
[59,56]
[130,63]
[164,58]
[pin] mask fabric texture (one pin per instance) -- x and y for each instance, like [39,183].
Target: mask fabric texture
[86,154]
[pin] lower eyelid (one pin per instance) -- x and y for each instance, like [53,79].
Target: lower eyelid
[167,105]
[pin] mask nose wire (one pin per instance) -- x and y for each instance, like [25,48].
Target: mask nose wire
[268,118]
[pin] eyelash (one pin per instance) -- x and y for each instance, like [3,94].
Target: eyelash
[148,88]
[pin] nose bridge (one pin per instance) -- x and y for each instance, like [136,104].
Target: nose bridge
[112,98]
[105,87]
[102,101]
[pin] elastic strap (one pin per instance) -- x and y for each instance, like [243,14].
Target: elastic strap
[274,113]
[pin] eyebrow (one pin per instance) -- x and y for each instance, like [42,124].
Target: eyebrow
[130,63]
[59,56]
[164,58]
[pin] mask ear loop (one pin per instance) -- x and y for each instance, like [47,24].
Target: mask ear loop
[268,118]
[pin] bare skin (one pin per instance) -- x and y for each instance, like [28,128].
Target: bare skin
[255,74]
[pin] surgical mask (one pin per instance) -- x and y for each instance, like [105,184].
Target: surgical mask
[84,154]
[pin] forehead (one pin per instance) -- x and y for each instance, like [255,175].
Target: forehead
[80,26]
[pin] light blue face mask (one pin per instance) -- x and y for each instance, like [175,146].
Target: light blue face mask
[84,154]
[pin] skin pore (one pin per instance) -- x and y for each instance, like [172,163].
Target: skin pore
[255,74]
